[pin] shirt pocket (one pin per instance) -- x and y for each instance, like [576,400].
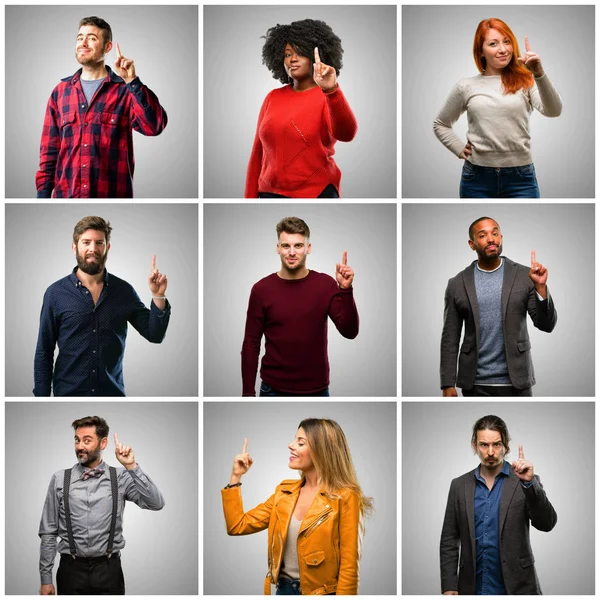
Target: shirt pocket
[67,126]
[113,130]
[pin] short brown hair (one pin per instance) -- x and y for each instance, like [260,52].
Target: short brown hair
[97,223]
[99,423]
[100,24]
[292,225]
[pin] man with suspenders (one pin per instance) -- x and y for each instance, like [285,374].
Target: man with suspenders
[84,507]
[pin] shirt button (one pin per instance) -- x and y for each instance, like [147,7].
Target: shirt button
[84,166]
[86,124]
[84,185]
[112,120]
[86,290]
[93,371]
[83,106]
[93,352]
[93,331]
[85,145]
[93,390]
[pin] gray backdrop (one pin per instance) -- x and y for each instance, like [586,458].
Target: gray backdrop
[435,248]
[236,83]
[240,249]
[161,553]
[38,253]
[437,51]
[557,437]
[237,565]
[162,40]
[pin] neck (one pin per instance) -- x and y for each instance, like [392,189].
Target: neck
[94,464]
[94,71]
[489,265]
[300,273]
[488,473]
[489,71]
[311,479]
[90,280]
[301,85]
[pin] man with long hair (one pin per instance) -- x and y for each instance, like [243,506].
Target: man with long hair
[487,520]
[84,508]
[290,308]
[86,314]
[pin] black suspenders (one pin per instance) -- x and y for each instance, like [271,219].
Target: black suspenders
[113,521]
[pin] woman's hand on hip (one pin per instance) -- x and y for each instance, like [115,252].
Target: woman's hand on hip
[532,60]
[323,74]
[241,463]
[466,151]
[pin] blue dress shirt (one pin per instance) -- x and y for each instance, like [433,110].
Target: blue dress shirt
[91,339]
[488,579]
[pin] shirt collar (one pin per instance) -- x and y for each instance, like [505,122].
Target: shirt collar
[505,471]
[493,270]
[77,282]
[79,468]
[112,77]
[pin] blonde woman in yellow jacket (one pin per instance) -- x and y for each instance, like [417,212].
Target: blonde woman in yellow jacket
[315,523]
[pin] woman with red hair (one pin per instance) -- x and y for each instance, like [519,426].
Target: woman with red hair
[498,102]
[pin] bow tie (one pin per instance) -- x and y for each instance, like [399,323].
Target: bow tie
[92,473]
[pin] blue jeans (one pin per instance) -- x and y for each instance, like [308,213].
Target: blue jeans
[267,390]
[288,587]
[505,182]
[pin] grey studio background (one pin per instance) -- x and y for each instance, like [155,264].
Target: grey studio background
[557,437]
[240,249]
[437,51]
[237,565]
[38,253]
[161,551]
[435,248]
[236,83]
[163,42]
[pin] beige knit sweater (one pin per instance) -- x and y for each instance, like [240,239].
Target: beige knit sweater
[498,123]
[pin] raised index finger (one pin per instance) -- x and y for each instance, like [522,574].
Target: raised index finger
[317,57]
[521,454]
[345,257]
[154,262]
[532,257]
[527,48]
[245,448]
[116,440]
[119,51]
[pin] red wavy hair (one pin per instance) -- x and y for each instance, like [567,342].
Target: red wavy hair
[515,76]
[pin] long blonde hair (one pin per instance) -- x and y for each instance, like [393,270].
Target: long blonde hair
[330,454]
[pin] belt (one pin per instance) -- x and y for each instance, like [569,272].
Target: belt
[91,559]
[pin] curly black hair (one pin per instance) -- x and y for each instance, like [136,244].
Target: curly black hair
[303,36]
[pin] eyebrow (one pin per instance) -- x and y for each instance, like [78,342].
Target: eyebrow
[494,442]
[483,230]
[301,438]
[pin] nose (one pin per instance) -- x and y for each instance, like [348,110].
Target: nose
[490,451]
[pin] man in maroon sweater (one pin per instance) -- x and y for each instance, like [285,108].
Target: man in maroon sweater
[290,308]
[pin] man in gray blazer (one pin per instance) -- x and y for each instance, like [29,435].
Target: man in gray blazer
[485,548]
[492,296]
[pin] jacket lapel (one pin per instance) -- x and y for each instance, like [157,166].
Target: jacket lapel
[469,281]
[321,504]
[510,272]
[284,507]
[470,504]
[508,491]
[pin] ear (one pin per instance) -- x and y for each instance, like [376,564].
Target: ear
[277,248]
[103,443]
[108,247]
[108,47]
[471,245]
[308,248]
[73,247]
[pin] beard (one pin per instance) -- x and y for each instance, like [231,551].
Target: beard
[87,458]
[297,265]
[92,268]
[484,256]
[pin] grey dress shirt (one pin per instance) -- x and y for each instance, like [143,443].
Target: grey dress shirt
[91,510]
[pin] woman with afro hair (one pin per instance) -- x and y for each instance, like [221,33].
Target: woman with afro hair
[498,102]
[299,123]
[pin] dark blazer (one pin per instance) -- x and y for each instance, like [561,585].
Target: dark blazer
[518,299]
[518,506]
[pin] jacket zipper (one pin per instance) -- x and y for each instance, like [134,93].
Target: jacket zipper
[316,522]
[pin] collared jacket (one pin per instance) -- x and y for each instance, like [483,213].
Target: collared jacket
[329,540]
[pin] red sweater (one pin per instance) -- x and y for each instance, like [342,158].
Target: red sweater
[292,314]
[293,150]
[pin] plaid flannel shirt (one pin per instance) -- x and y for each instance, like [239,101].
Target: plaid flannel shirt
[87,151]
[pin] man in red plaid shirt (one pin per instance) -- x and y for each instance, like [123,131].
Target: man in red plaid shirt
[87,146]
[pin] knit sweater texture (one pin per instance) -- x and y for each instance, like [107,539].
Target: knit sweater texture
[498,123]
[292,315]
[491,364]
[293,148]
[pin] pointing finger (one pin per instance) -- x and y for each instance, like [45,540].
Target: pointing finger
[245,448]
[345,258]
[116,440]
[527,48]
[317,57]
[532,257]
[521,455]
[154,262]
[119,51]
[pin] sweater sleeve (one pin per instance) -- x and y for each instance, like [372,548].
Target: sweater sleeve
[545,98]
[343,121]
[255,163]
[343,312]
[442,125]
[251,346]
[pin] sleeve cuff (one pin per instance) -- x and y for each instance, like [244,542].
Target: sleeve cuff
[46,578]
[44,194]
[161,313]
[527,485]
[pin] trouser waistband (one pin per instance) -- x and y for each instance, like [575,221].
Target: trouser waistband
[91,559]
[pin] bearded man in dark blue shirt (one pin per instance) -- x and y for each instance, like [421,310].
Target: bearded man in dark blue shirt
[487,520]
[86,314]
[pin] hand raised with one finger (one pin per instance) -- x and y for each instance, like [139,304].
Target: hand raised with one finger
[124,67]
[531,60]
[523,469]
[157,281]
[324,75]
[538,272]
[124,454]
[242,462]
[343,273]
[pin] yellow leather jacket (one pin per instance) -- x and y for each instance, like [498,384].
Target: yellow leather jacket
[329,540]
